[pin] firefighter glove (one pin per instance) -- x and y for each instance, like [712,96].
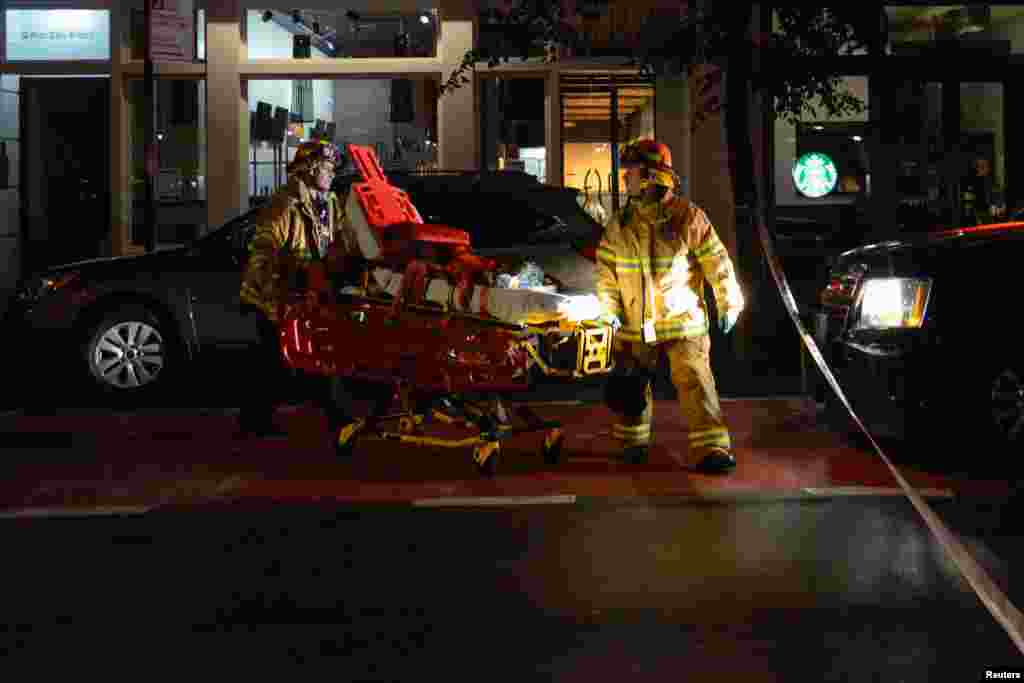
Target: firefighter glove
[727,321]
[612,320]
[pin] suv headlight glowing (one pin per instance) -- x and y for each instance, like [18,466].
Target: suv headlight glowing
[893,302]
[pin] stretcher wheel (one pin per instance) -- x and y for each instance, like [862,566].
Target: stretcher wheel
[552,449]
[345,442]
[409,425]
[485,455]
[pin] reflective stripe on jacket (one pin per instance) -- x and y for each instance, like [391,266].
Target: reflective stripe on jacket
[282,244]
[652,263]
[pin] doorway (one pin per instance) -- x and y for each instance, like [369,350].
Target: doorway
[65,170]
[601,112]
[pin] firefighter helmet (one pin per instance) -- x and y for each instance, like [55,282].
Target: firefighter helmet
[312,152]
[654,156]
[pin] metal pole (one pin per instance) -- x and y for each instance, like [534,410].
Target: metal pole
[150,145]
[614,189]
[803,368]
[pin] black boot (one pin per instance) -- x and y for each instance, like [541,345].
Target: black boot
[717,461]
[635,455]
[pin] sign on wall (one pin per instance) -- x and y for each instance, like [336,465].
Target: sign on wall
[171,31]
[57,34]
[815,175]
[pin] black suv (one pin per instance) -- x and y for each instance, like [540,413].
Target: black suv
[919,334]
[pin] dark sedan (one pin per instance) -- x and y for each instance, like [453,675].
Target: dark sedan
[131,324]
[919,333]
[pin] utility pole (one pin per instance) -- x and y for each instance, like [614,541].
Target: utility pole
[151,150]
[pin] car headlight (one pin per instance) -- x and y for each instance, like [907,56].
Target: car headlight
[34,289]
[893,302]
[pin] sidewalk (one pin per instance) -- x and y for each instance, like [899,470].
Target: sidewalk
[111,460]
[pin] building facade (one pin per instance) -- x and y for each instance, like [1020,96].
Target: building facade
[73,110]
[933,146]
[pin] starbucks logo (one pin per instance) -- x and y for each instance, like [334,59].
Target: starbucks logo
[815,175]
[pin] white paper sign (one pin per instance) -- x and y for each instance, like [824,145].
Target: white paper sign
[171,31]
[57,34]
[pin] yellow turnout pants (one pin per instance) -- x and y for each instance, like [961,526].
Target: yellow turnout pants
[690,364]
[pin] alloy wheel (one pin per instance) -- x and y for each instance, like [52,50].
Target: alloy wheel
[1008,405]
[129,355]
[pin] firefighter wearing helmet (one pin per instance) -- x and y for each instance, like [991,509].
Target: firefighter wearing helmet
[303,222]
[652,263]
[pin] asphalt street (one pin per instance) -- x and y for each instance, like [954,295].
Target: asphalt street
[644,574]
[839,590]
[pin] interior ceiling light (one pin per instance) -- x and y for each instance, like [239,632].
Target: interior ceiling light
[268,15]
[424,19]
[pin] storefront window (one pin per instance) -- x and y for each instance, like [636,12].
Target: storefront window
[512,125]
[396,117]
[983,140]
[919,30]
[590,140]
[298,33]
[181,141]
[10,197]
[844,142]
[57,34]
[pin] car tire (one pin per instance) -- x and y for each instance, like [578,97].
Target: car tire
[1002,399]
[130,353]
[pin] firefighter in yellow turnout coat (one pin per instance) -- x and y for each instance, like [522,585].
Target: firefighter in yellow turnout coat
[651,267]
[304,222]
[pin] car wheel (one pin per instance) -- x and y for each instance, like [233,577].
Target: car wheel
[1006,404]
[128,352]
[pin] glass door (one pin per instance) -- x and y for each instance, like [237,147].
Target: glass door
[600,113]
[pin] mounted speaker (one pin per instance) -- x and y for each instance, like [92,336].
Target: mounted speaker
[280,125]
[402,94]
[301,47]
[263,123]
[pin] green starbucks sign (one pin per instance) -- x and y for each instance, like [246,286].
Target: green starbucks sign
[814,175]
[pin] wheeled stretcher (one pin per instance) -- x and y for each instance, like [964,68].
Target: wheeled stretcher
[427,324]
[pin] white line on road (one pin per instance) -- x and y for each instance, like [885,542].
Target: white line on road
[109,511]
[840,491]
[495,501]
